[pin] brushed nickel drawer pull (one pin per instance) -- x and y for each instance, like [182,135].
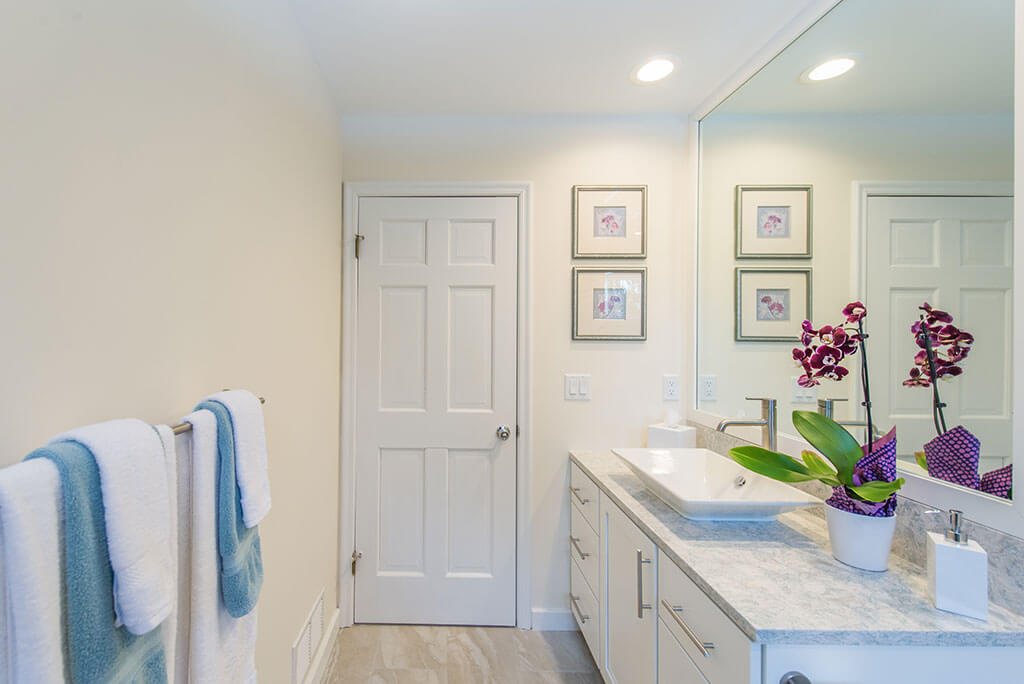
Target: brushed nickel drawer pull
[703,646]
[575,541]
[576,492]
[574,600]
[640,605]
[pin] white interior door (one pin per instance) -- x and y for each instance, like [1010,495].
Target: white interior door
[956,254]
[435,483]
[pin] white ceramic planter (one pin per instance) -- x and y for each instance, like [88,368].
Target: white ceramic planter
[860,540]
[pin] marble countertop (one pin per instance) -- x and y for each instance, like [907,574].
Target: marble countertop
[780,584]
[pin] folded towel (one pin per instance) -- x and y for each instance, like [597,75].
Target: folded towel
[133,477]
[221,648]
[250,452]
[29,518]
[97,651]
[241,564]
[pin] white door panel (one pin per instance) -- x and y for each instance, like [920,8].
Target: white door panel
[954,253]
[435,486]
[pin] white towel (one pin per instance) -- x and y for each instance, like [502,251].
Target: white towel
[136,509]
[169,627]
[250,452]
[221,648]
[30,518]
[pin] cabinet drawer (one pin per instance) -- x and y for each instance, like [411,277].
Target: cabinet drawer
[583,546]
[584,608]
[583,494]
[727,657]
[674,666]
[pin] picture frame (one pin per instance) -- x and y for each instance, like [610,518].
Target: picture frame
[774,221]
[771,303]
[609,303]
[609,221]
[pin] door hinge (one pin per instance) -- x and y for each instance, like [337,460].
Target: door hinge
[359,238]
[517,431]
[356,555]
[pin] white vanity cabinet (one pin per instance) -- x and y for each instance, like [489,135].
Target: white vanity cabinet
[584,551]
[648,622]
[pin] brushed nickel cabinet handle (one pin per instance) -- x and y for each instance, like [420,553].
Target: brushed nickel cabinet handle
[640,605]
[703,646]
[575,541]
[574,601]
[576,492]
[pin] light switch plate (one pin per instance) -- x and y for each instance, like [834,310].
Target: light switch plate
[577,387]
[670,387]
[803,395]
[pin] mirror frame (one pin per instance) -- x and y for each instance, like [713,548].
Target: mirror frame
[1005,516]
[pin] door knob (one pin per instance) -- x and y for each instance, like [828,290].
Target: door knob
[503,432]
[794,678]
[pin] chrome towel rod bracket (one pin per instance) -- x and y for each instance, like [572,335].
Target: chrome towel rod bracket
[182,428]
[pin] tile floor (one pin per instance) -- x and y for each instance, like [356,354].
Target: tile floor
[393,654]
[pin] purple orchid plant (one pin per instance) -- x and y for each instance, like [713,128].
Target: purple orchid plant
[943,349]
[825,349]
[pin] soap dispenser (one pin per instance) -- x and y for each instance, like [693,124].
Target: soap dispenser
[957,571]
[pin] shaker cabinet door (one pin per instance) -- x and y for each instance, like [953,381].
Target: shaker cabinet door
[631,619]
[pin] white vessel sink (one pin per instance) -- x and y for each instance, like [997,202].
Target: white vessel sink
[703,485]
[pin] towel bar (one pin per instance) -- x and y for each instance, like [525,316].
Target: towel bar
[181,428]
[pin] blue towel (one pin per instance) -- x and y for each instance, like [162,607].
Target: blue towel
[241,565]
[98,652]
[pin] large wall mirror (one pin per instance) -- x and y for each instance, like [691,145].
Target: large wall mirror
[872,161]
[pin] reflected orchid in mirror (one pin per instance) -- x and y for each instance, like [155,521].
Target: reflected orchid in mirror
[943,348]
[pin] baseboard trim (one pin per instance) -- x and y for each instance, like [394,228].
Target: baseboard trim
[553,620]
[325,650]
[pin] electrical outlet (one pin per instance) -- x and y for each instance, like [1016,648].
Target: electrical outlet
[670,387]
[577,387]
[707,388]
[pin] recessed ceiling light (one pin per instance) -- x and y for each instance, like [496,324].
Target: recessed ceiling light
[830,68]
[654,69]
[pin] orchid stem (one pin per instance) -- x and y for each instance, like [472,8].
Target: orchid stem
[937,416]
[864,382]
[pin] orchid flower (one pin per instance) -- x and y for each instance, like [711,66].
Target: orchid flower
[825,349]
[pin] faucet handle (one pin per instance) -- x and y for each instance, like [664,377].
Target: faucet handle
[761,399]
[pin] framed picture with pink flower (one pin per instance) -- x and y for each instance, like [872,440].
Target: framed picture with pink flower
[771,303]
[609,221]
[609,304]
[773,221]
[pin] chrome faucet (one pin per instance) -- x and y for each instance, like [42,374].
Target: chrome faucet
[826,408]
[769,423]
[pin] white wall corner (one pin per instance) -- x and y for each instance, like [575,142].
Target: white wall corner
[545,620]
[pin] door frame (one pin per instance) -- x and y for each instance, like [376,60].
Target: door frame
[352,193]
[929,491]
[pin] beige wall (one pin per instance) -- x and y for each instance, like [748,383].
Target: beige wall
[170,225]
[555,154]
[830,153]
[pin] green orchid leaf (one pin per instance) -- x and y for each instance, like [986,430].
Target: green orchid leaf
[770,464]
[922,460]
[832,440]
[817,464]
[877,491]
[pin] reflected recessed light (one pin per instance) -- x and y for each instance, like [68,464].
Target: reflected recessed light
[830,68]
[654,70]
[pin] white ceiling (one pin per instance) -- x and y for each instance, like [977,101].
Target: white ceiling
[937,56]
[532,56]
